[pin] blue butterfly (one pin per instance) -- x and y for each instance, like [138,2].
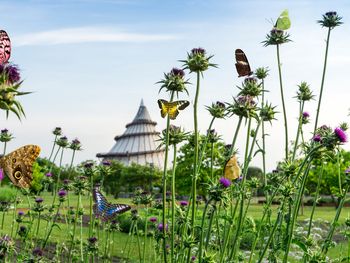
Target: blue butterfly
[104,209]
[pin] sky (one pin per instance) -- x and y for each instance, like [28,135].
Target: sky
[90,62]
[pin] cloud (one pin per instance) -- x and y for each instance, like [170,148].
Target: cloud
[86,35]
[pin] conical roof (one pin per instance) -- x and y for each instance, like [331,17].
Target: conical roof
[138,143]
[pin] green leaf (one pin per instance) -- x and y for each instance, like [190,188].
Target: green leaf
[300,244]
[283,21]
[56,225]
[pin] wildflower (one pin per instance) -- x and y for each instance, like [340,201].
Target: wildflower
[243,106]
[62,193]
[66,181]
[330,20]
[62,142]
[305,117]
[57,131]
[176,135]
[92,240]
[37,252]
[261,73]
[75,145]
[183,203]
[5,136]
[341,135]
[213,136]
[160,227]
[153,219]
[106,163]
[20,213]
[276,37]
[48,174]
[225,182]
[304,93]
[22,231]
[267,113]
[217,110]
[197,61]
[39,200]
[344,126]
[13,75]
[88,165]
[174,81]
[250,88]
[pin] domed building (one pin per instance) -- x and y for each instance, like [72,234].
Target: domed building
[138,144]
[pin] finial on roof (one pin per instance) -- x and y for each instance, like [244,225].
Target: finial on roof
[141,104]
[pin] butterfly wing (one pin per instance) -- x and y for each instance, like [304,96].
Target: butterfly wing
[242,64]
[163,108]
[283,21]
[171,108]
[232,170]
[18,165]
[5,47]
[103,209]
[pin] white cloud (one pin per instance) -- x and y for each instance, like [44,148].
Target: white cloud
[85,35]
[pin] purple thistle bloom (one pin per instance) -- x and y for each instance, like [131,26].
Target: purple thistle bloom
[39,200]
[13,73]
[106,163]
[153,219]
[347,171]
[183,203]
[65,181]
[220,104]
[37,252]
[92,240]
[198,50]
[341,135]
[88,165]
[177,72]
[20,213]
[4,131]
[62,193]
[317,138]
[48,174]
[193,258]
[306,115]
[160,227]
[225,182]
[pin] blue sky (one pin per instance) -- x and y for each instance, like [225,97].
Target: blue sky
[89,63]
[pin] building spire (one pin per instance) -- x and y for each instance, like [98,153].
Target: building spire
[142,104]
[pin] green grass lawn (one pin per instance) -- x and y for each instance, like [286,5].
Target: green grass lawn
[126,246]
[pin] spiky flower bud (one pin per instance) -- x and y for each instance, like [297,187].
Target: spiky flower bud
[250,87]
[261,73]
[304,93]
[330,20]
[267,112]
[197,60]
[243,106]
[276,37]
[174,81]
[217,110]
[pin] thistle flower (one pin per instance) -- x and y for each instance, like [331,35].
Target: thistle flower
[20,213]
[213,136]
[276,37]
[304,93]
[62,193]
[62,142]
[174,81]
[12,72]
[250,87]
[217,110]
[153,219]
[261,73]
[5,136]
[243,106]
[39,200]
[225,182]
[75,145]
[183,203]
[176,135]
[267,112]
[344,126]
[341,135]
[160,227]
[106,163]
[57,131]
[37,252]
[330,20]
[22,231]
[92,240]
[197,60]
[48,174]
[305,117]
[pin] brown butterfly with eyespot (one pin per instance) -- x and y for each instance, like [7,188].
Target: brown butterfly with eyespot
[172,108]
[18,165]
[5,47]
[242,64]
[232,170]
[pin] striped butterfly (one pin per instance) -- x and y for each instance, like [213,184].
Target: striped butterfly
[232,170]
[105,210]
[5,47]
[18,165]
[172,108]
[242,64]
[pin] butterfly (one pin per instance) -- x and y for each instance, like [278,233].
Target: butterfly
[104,209]
[283,21]
[18,165]
[5,47]
[232,170]
[242,64]
[172,108]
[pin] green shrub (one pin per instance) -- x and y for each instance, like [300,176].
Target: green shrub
[7,194]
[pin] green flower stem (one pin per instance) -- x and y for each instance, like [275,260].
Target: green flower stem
[58,179]
[52,226]
[301,109]
[81,230]
[3,219]
[212,161]
[334,224]
[201,240]
[209,226]
[74,227]
[92,218]
[38,225]
[4,152]
[263,137]
[195,165]
[173,204]
[323,78]
[138,242]
[14,213]
[145,236]
[106,240]
[54,158]
[242,194]
[298,200]
[202,151]
[71,163]
[339,174]
[165,181]
[236,135]
[53,147]
[283,104]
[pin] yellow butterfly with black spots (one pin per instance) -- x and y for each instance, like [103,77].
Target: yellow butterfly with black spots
[18,165]
[172,108]
[232,170]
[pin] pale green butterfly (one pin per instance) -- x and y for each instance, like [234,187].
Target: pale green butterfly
[283,21]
